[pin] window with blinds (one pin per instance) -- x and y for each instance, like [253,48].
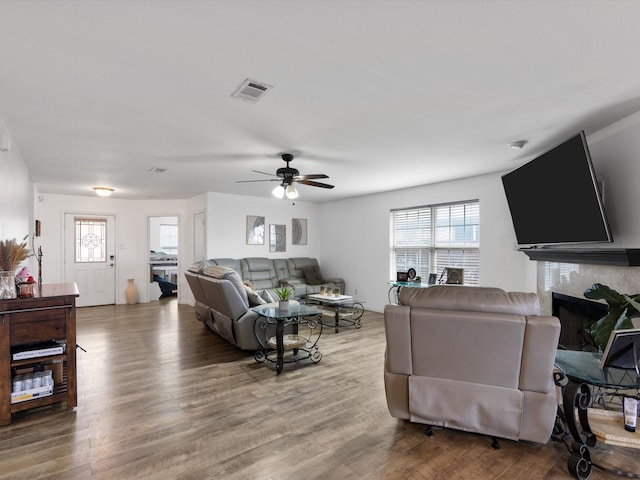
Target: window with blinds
[433,237]
[169,238]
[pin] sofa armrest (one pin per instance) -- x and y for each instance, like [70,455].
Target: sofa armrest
[397,328]
[539,353]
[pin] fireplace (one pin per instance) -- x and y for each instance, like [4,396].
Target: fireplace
[576,314]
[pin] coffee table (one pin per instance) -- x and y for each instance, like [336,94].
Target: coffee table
[304,327]
[346,309]
[583,382]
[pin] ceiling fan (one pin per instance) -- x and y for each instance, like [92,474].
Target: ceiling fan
[286,176]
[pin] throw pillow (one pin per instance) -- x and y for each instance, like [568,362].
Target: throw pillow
[254,298]
[266,296]
[312,275]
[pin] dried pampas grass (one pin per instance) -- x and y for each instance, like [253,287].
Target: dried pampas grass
[12,254]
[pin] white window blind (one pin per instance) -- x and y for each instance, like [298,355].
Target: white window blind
[169,238]
[433,237]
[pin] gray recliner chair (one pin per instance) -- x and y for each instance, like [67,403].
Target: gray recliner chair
[473,359]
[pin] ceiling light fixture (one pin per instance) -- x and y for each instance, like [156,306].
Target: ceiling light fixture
[519,144]
[278,192]
[292,193]
[103,191]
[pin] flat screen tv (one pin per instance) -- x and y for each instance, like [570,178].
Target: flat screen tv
[555,199]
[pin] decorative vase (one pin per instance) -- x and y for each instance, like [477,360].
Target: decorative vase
[283,305]
[7,285]
[131,292]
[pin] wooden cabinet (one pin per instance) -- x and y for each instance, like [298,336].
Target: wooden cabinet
[49,315]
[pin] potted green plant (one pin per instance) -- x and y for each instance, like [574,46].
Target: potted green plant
[284,294]
[622,308]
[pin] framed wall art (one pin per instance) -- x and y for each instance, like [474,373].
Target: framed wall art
[255,230]
[298,231]
[277,238]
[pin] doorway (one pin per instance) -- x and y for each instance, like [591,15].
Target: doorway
[163,256]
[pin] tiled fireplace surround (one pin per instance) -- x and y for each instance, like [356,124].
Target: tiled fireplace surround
[573,279]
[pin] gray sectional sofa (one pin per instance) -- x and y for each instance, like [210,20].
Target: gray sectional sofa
[224,302]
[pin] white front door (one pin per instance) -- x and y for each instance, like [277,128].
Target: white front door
[89,257]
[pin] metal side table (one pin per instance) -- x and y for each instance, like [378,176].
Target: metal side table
[585,384]
[303,326]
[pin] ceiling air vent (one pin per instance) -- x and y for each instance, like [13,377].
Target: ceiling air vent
[251,91]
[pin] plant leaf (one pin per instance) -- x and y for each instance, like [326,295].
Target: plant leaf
[634,303]
[597,291]
[601,330]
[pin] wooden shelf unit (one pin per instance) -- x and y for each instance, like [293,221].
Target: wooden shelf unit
[49,315]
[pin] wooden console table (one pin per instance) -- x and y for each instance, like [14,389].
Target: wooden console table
[49,315]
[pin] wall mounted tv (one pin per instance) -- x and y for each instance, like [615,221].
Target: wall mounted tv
[555,199]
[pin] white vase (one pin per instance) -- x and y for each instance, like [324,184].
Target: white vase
[131,292]
[283,305]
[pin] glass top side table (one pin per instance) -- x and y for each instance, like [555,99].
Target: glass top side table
[580,371]
[396,286]
[304,329]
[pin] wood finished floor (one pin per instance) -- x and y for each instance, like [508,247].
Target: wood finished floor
[162,397]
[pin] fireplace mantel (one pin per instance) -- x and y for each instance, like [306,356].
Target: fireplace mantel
[620,257]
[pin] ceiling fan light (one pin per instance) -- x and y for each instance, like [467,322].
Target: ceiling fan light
[278,192]
[292,193]
[103,191]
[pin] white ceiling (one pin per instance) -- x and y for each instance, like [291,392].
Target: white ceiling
[379,95]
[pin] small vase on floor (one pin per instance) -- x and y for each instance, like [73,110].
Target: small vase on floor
[131,292]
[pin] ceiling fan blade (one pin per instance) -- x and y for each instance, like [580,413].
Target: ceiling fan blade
[264,173]
[314,184]
[263,180]
[310,177]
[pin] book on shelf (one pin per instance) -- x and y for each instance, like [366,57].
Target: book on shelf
[35,350]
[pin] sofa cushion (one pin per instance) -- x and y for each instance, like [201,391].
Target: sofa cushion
[226,273]
[254,298]
[312,275]
[259,271]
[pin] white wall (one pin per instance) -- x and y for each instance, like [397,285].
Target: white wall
[355,237]
[615,153]
[16,194]
[132,259]
[226,225]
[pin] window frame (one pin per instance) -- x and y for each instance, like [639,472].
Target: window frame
[428,256]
